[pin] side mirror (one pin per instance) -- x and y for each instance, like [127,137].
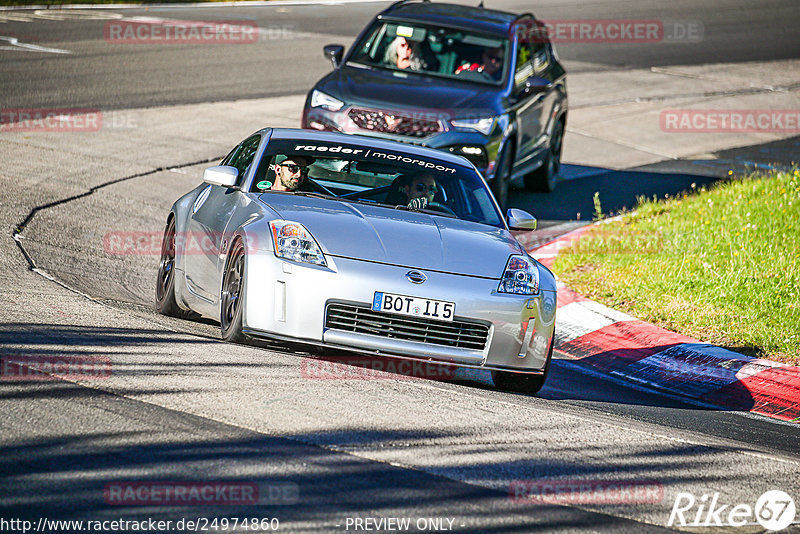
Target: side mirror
[520,220]
[221,175]
[334,52]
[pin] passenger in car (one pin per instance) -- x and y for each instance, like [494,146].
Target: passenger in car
[421,190]
[491,64]
[415,191]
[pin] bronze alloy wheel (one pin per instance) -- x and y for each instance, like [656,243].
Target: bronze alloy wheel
[231,301]
[165,280]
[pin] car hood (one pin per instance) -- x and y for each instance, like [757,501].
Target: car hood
[398,237]
[379,88]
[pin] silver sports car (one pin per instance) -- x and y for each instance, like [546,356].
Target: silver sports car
[360,244]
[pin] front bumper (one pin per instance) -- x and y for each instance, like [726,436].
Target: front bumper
[289,301]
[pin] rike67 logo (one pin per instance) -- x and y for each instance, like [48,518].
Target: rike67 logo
[774,510]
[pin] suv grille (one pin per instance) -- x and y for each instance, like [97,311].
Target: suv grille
[362,320]
[378,121]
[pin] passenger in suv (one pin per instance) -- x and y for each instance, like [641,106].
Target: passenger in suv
[492,65]
[487,85]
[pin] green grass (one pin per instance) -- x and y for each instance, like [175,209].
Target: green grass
[720,265]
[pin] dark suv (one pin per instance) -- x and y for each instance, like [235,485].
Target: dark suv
[484,84]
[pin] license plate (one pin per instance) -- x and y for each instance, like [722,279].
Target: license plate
[414,306]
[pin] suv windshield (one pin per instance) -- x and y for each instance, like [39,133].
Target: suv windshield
[359,173]
[440,51]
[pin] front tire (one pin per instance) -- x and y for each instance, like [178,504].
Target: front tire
[231,303]
[524,383]
[165,280]
[545,178]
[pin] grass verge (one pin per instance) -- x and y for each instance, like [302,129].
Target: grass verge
[721,265]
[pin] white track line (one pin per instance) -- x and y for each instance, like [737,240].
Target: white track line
[17,46]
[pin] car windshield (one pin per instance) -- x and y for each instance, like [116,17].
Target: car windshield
[390,179]
[439,51]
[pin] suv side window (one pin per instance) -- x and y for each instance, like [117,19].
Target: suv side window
[533,56]
[524,68]
[540,59]
[244,156]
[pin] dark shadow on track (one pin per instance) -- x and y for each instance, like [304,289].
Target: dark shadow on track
[69,475]
[618,191]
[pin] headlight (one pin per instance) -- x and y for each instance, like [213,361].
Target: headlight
[324,101]
[293,242]
[521,277]
[472,150]
[483,126]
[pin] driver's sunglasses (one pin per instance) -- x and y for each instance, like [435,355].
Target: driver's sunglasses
[490,57]
[423,187]
[294,167]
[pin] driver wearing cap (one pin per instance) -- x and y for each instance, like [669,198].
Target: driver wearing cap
[290,172]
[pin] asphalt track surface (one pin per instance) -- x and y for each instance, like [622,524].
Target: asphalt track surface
[288,58]
[182,406]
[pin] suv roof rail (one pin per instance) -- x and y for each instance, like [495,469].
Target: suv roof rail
[523,16]
[401,2]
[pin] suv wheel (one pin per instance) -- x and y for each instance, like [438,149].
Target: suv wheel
[502,177]
[545,177]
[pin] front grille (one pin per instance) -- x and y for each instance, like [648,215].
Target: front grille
[379,121]
[362,320]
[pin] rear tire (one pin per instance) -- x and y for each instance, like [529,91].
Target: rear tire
[545,178]
[231,304]
[502,178]
[523,383]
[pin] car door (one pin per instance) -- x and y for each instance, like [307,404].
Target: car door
[533,106]
[206,238]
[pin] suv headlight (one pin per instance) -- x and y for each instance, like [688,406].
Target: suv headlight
[293,241]
[325,101]
[483,126]
[521,277]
